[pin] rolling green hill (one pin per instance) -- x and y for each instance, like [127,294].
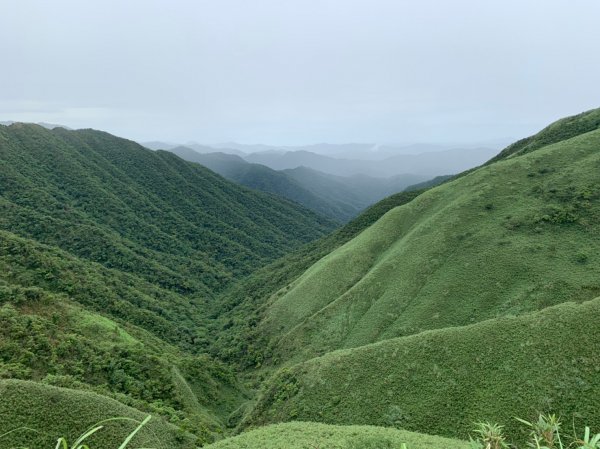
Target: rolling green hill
[307,435]
[51,412]
[512,237]
[442,381]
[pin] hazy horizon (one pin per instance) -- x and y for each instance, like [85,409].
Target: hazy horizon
[300,72]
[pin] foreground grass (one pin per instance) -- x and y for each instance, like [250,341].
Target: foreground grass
[309,435]
[42,414]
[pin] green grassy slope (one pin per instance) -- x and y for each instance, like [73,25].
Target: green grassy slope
[558,131]
[60,412]
[307,435]
[514,236]
[442,381]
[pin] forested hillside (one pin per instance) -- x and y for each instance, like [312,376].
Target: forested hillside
[265,179]
[110,256]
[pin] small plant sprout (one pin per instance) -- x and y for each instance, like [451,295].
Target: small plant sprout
[545,432]
[588,442]
[489,436]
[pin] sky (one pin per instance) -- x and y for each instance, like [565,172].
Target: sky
[291,72]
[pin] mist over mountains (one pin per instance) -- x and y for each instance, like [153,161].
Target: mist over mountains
[329,184]
[354,158]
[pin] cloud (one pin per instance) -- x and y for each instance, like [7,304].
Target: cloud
[300,71]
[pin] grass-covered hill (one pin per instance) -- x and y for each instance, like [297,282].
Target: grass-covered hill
[309,435]
[442,381]
[514,236]
[558,131]
[51,413]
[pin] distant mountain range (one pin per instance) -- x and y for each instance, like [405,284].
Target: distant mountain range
[424,164]
[44,124]
[333,186]
[337,197]
[379,161]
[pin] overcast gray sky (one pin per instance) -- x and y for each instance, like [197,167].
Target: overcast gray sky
[300,71]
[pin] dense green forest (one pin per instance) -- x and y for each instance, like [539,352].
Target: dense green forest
[133,282]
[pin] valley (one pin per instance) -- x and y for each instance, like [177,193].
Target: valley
[247,306]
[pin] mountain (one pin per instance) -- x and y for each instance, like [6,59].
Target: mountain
[158,145]
[246,148]
[204,149]
[134,282]
[470,300]
[387,283]
[110,256]
[361,151]
[265,179]
[424,164]
[359,191]
[339,198]
[43,124]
